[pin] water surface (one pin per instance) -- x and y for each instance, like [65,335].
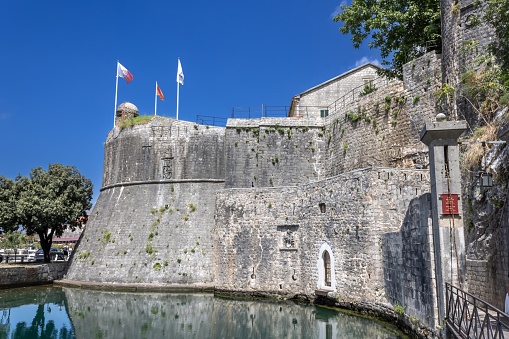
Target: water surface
[53,312]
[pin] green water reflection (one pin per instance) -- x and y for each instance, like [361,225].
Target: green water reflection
[51,312]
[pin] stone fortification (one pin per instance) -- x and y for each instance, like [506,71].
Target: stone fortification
[302,207]
[154,216]
[273,239]
[273,152]
[163,149]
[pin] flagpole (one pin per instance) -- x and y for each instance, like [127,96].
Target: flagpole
[155,102]
[116,93]
[178,100]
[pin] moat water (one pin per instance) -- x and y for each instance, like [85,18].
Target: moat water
[62,313]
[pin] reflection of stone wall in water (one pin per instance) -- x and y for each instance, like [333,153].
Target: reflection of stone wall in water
[137,315]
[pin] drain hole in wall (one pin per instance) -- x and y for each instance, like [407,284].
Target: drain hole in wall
[322,207]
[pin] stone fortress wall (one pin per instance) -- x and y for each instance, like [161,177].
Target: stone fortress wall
[240,208]
[465,36]
[255,207]
[152,222]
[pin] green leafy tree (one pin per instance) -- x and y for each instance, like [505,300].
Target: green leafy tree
[497,14]
[13,240]
[46,203]
[400,29]
[7,205]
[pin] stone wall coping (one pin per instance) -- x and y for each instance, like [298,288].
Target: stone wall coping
[156,182]
[271,122]
[133,287]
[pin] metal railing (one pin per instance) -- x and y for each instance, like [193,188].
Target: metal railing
[470,317]
[263,111]
[211,121]
[300,111]
[357,92]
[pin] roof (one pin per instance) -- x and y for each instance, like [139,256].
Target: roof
[65,239]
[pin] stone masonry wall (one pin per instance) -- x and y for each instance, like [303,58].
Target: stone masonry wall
[163,149]
[28,275]
[409,268]
[153,219]
[152,233]
[269,240]
[309,102]
[382,128]
[273,152]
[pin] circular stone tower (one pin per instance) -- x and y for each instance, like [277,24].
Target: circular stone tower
[125,111]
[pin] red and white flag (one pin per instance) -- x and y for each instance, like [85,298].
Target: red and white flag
[159,92]
[124,73]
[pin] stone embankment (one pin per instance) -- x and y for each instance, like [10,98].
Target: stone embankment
[31,274]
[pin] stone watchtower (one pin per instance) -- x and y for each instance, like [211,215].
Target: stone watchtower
[125,111]
[448,240]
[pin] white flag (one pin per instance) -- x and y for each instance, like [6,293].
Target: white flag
[180,74]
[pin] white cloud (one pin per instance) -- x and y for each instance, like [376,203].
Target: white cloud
[338,9]
[365,60]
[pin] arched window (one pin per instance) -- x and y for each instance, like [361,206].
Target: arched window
[326,266]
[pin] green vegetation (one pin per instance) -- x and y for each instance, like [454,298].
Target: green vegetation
[445,93]
[139,120]
[497,15]
[399,309]
[106,236]
[192,208]
[369,88]
[45,203]
[387,104]
[157,266]
[84,255]
[400,29]
[353,116]
[149,249]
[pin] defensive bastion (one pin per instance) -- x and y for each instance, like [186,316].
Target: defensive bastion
[284,206]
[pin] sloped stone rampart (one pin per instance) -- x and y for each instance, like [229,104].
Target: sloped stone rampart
[149,233]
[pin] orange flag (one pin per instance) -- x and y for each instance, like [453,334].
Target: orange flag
[159,92]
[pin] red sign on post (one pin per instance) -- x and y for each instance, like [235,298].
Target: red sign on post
[450,204]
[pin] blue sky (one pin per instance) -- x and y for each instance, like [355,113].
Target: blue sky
[58,65]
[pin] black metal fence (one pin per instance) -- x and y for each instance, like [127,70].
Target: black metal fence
[470,317]
[263,111]
[299,111]
[211,121]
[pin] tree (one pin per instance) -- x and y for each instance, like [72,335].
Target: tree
[7,205]
[401,29]
[46,203]
[497,15]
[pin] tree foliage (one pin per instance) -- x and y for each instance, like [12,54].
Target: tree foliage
[400,29]
[7,205]
[497,14]
[46,203]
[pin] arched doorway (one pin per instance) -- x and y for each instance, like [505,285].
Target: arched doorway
[325,266]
